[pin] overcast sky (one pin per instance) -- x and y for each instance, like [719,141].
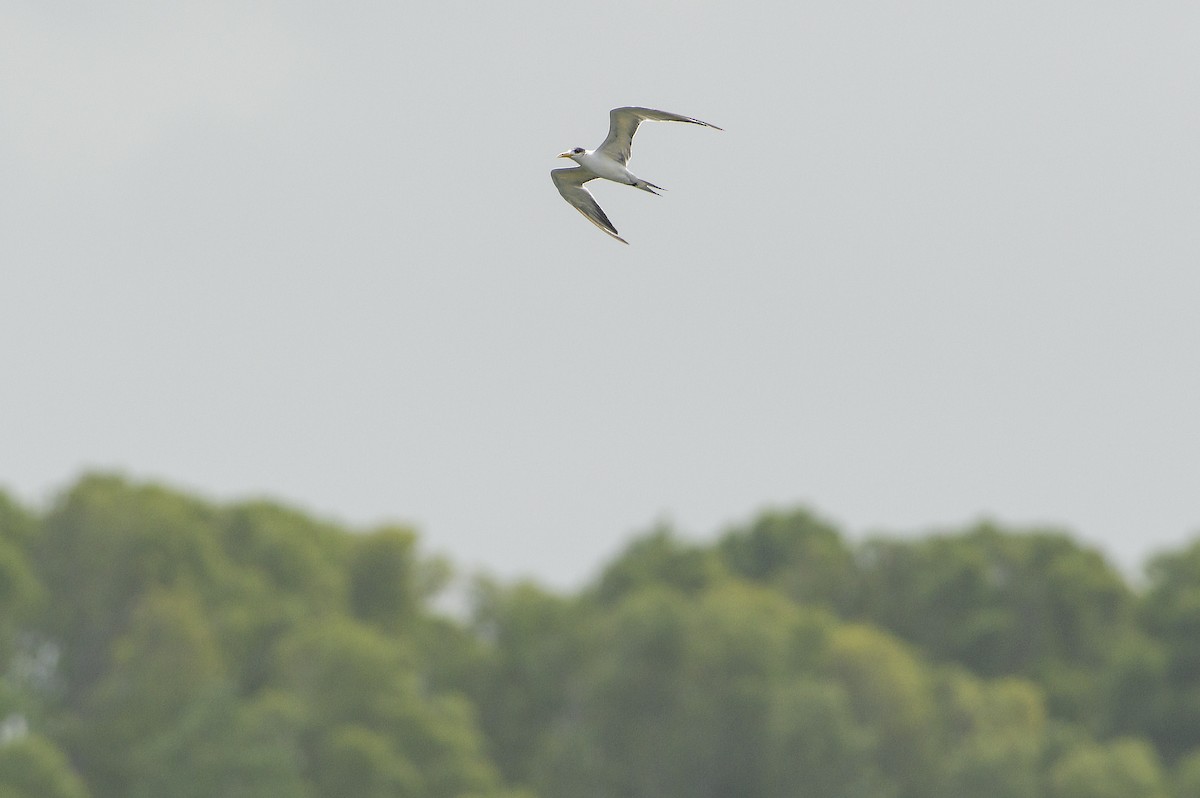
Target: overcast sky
[943,264]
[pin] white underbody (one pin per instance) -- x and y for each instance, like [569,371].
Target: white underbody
[605,167]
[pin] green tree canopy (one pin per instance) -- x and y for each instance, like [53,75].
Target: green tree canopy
[154,643]
[33,767]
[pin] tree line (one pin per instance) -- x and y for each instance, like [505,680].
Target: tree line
[153,643]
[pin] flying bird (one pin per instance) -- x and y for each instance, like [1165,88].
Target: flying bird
[608,161]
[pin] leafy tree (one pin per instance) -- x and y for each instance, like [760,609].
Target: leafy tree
[19,586]
[1037,605]
[1136,693]
[659,559]
[33,767]
[103,547]
[19,590]
[744,644]
[677,696]
[357,761]
[623,737]
[361,692]
[223,745]
[1170,612]
[299,558]
[520,681]
[159,644]
[993,737]
[818,747]
[1186,778]
[345,672]
[166,659]
[796,552]
[1120,769]
[890,692]
[17,525]
[385,579]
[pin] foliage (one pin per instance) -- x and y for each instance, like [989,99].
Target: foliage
[1037,605]
[1171,616]
[1121,769]
[33,767]
[154,643]
[797,553]
[223,745]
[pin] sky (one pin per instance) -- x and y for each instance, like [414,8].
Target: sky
[943,264]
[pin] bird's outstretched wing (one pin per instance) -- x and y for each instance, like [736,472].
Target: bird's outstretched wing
[569,183]
[623,123]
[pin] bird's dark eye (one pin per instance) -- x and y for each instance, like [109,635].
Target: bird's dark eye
[577,150]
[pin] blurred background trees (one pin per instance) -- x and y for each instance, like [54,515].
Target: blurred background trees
[153,643]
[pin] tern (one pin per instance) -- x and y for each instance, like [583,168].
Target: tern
[608,161]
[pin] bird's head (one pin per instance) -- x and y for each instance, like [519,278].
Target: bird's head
[572,154]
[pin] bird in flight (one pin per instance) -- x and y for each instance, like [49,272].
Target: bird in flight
[608,161]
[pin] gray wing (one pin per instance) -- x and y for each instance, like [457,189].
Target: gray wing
[623,123]
[569,183]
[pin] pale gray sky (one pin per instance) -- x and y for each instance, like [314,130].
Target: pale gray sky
[944,262]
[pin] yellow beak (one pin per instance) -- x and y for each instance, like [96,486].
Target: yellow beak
[567,154]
